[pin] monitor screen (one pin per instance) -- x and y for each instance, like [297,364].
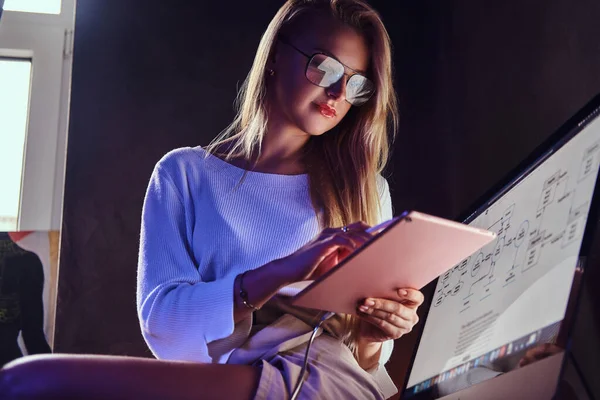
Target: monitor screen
[510,297]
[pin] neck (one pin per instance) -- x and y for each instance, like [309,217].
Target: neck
[282,150]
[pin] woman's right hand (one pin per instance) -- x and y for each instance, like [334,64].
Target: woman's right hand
[330,247]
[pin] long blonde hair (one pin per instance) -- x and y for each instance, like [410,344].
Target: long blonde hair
[342,164]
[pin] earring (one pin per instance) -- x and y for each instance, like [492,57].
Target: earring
[270,72]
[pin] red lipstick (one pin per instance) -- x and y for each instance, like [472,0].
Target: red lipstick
[327,110]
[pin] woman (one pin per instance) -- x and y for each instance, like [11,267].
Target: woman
[272,201]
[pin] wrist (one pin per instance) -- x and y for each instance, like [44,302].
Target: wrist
[243,294]
[370,346]
[278,269]
[369,353]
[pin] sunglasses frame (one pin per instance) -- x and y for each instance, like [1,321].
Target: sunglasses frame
[310,58]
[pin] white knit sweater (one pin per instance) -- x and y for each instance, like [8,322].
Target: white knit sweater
[200,229]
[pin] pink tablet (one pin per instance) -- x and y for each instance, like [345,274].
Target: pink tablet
[411,251]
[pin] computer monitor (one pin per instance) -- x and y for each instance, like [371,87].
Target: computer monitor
[499,321]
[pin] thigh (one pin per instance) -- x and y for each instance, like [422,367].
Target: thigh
[333,373]
[110,377]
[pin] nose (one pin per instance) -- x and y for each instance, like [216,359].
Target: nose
[337,91]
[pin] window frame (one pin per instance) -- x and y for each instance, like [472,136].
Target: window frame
[47,40]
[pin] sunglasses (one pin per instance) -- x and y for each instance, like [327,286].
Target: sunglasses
[324,71]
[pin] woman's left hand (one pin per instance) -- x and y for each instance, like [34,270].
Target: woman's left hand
[383,319]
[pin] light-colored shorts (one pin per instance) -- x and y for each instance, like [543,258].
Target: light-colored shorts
[333,373]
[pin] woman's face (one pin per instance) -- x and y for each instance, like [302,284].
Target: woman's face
[295,102]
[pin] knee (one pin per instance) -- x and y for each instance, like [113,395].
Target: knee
[12,379]
[27,378]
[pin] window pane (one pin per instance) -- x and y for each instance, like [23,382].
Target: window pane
[34,6]
[15,81]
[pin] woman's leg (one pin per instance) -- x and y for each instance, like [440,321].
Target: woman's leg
[110,377]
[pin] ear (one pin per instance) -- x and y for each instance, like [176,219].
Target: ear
[271,61]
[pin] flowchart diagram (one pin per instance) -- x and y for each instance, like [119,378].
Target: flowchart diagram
[521,241]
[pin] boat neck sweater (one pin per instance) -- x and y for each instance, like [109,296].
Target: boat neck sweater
[200,229]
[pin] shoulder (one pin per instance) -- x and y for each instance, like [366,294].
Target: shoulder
[183,158]
[182,163]
[381,181]
[180,168]
[383,187]
[385,201]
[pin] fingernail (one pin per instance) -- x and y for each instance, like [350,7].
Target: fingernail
[369,303]
[363,308]
[403,292]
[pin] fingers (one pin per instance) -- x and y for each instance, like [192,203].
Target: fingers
[389,329]
[359,238]
[408,298]
[392,324]
[392,317]
[356,232]
[411,298]
[389,310]
[333,244]
[358,226]
[354,239]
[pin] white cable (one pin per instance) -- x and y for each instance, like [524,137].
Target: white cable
[324,318]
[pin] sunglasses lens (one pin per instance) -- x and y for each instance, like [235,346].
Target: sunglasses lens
[324,71]
[359,90]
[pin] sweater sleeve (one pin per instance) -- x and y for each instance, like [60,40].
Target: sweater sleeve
[180,315]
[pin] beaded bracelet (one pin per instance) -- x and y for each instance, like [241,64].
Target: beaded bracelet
[244,294]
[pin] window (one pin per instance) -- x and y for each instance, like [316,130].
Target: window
[15,84]
[35,74]
[34,6]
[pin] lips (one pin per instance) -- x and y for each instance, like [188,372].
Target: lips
[327,110]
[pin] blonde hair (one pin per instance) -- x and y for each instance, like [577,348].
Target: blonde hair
[342,164]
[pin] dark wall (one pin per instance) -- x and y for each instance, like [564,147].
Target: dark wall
[480,85]
[518,71]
